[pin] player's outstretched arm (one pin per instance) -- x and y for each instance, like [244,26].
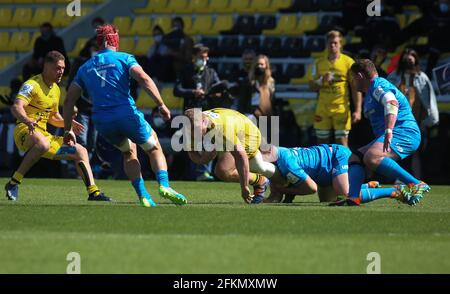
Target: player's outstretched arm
[243,168]
[146,82]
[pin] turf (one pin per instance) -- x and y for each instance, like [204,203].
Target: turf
[216,232]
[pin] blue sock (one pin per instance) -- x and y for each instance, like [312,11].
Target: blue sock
[140,189]
[389,168]
[163,178]
[368,195]
[356,177]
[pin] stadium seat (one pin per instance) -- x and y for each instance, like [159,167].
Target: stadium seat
[271,46]
[245,25]
[401,19]
[164,21]
[157,6]
[265,22]
[228,70]
[33,38]
[212,43]
[222,23]
[123,23]
[307,5]
[286,25]
[259,6]
[305,78]
[77,48]
[60,18]
[4,41]
[142,26]
[22,17]
[143,45]
[127,45]
[315,44]
[281,4]
[219,6]
[295,70]
[327,23]
[198,6]
[293,46]
[330,5]
[5,16]
[19,41]
[251,42]
[413,17]
[307,22]
[170,100]
[187,19]
[278,73]
[229,46]
[6,60]
[202,25]
[238,6]
[175,6]
[41,15]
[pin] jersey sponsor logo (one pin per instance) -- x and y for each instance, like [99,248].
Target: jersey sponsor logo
[378,93]
[26,90]
[292,178]
[211,114]
[398,147]
[344,167]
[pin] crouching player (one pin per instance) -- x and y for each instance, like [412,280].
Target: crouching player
[36,106]
[242,162]
[322,169]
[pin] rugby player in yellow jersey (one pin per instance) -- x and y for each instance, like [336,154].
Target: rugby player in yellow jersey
[239,158]
[36,106]
[331,78]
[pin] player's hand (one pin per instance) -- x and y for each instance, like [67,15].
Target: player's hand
[77,127]
[387,142]
[165,112]
[32,125]
[246,195]
[70,138]
[199,93]
[356,117]
[328,77]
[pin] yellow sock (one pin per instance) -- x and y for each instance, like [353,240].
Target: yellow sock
[93,189]
[16,178]
[254,178]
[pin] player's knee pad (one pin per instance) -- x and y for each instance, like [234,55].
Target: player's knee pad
[322,134]
[258,165]
[125,146]
[150,144]
[341,134]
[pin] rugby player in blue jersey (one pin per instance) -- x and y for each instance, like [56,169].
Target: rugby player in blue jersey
[323,169]
[396,131]
[106,78]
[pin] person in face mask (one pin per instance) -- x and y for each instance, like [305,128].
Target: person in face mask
[263,84]
[417,87]
[193,84]
[158,63]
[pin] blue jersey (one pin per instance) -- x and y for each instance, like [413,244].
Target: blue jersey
[106,79]
[374,110]
[321,163]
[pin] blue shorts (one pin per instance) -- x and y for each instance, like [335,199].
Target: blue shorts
[339,160]
[131,124]
[405,141]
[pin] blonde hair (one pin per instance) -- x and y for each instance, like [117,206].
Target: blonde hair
[334,34]
[266,79]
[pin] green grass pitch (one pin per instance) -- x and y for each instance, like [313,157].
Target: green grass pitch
[216,232]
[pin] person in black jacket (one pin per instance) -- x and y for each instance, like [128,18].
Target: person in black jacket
[193,84]
[196,79]
[48,41]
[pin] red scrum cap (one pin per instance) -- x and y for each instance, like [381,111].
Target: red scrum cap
[107,35]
